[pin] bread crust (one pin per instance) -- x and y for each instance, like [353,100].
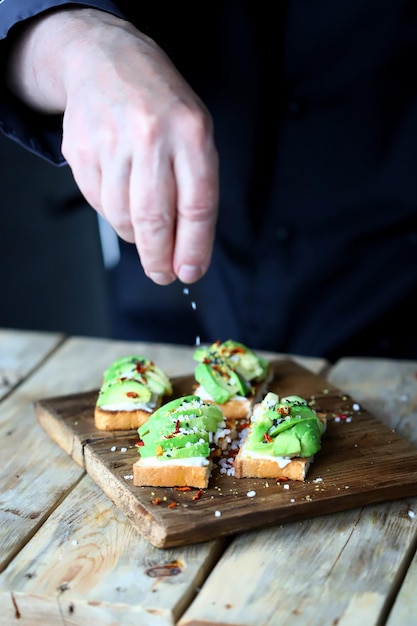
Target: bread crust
[119,420]
[246,467]
[164,474]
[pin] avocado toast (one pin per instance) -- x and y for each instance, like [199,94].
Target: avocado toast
[232,376]
[176,444]
[133,387]
[282,439]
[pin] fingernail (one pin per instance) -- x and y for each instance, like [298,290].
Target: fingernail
[161,279]
[189,273]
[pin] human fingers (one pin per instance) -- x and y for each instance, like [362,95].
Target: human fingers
[174,194]
[196,173]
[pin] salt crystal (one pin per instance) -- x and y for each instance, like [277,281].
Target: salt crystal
[251,494]
[356,407]
[286,486]
[411,514]
[186,291]
[217,513]
[123,449]
[193,305]
[113,449]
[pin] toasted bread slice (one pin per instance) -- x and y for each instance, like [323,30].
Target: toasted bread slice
[119,420]
[177,473]
[247,466]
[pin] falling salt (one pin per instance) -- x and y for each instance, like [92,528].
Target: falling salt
[193,305]
[186,291]
[197,340]
[411,514]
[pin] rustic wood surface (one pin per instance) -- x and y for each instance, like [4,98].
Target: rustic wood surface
[362,461]
[69,556]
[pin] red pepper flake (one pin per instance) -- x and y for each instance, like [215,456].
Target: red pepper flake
[198,495]
[132,394]
[139,443]
[283,479]
[267,438]
[156,501]
[341,416]
[172,505]
[182,488]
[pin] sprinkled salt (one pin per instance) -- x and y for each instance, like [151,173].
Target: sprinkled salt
[251,494]
[318,480]
[286,486]
[123,449]
[292,500]
[411,514]
[356,407]
[74,542]
[217,513]
[197,341]
[113,449]
[128,477]
[193,305]
[186,291]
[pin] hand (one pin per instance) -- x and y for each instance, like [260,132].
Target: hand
[137,138]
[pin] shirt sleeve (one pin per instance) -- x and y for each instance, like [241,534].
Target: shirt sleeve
[37,132]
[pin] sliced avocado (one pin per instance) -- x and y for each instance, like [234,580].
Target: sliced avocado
[156,383]
[204,374]
[195,449]
[244,360]
[181,440]
[122,391]
[125,366]
[287,444]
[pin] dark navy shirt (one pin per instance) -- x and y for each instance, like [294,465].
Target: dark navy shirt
[315,113]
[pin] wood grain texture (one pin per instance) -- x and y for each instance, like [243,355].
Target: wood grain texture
[87,564]
[20,352]
[362,461]
[339,569]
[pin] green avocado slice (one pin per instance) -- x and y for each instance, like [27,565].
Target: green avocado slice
[121,391]
[182,424]
[220,383]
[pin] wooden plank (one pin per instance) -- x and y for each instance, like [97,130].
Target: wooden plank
[20,352]
[404,611]
[87,564]
[337,569]
[362,462]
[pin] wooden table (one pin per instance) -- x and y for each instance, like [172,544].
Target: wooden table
[69,556]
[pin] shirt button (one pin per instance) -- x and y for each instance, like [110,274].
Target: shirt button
[296,107]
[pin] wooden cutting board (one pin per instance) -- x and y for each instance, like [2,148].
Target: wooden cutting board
[362,461]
